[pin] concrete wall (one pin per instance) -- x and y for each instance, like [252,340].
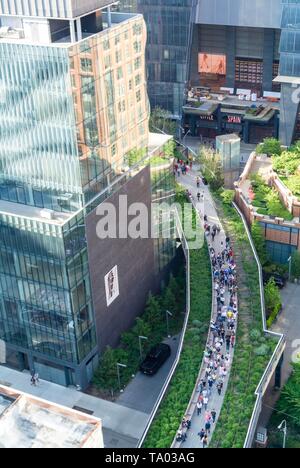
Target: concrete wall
[136,267]
[258,13]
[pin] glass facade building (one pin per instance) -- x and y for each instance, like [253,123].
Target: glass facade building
[169,27]
[290,39]
[70,112]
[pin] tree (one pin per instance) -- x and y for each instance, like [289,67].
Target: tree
[169,149]
[289,402]
[272,297]
[169,301]
[106,376]
[212,168]
[160,121]
[153,312]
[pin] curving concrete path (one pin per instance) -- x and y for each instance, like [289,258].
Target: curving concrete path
[206,207]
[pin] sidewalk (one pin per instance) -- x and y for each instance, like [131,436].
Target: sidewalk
[122,427]
[215,401]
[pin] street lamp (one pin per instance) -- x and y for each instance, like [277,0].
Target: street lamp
[118,372]
[140,343]
[168,314]
[283,428]
[290,268]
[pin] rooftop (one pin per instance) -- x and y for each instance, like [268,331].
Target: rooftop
[17,36]
[34,213]
[30,422]
[59,9]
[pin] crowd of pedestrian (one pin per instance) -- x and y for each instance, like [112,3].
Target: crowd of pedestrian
[217,357]
[182,167]
[218,353]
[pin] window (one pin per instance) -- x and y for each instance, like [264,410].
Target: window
[119,73]
[86,65]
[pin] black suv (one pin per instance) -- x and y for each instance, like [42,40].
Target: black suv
[155,359]
[280,281]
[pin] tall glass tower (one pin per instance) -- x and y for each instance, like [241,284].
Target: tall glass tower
[169,27]
[290,72]
[73,103]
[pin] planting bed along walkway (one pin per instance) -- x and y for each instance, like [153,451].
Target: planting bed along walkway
[207,208]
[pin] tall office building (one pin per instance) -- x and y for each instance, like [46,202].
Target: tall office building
[73,106]
[169,33]
[289,76]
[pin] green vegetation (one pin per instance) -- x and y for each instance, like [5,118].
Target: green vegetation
[287,165]
[288,408]
[269,146]
[296,264]
[173,407]
[211,168]
[273,301]
[260,243]
[267,199]
[160,121]
[253,350]
[228,196]
[151,324]
[135,156]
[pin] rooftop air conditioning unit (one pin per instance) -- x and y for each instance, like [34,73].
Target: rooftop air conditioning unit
[47,214]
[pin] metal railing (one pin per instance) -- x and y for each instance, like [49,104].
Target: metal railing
[277,354]
[165,387]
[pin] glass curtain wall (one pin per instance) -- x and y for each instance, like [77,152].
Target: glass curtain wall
[290,39]
[168,26]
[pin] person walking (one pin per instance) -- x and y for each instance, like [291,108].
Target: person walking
[213,415]
[207,427]
[205,441]
[205,403]
[220,388]
[201,434]
[199,407]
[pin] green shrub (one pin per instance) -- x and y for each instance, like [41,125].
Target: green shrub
[228,196]
[269,146]
[262,350]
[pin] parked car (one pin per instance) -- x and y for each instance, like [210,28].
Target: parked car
[280,281]
[155,359]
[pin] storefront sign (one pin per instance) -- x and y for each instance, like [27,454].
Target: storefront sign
[234,119]
[210,118]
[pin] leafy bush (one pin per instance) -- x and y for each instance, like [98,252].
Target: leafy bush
[272,299]
[262,350]
[259,242]
[228,196]
[270,146]
[267,199]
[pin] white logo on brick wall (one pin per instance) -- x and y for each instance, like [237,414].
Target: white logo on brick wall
[112,286]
